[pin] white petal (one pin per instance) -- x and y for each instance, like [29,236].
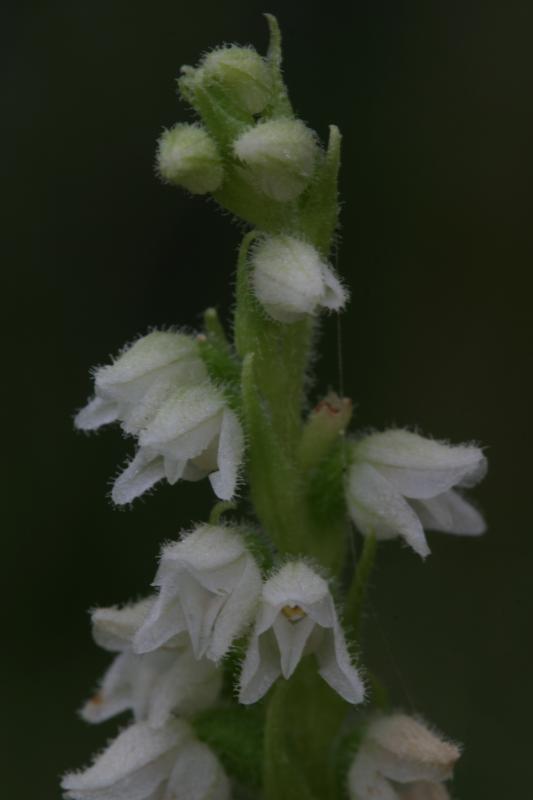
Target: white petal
[292,638]
[115,692]
[198,775]
[261,667]
[164,622]
[173,469]
[365,782]
[237,611]
[334,294]
[114,627]
[406,750]
[378,508]
[179,684]
[145,361]
[295,584]
[336,668]
[230,455]
[424,790]
[132,767]
[200,609]
[186,422]
[421,468]
[450,513]
[143,472]
[96,413]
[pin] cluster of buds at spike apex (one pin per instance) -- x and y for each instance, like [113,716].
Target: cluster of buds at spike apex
[400,483]
[188,157]
[144,763]
[401,759]
[159,390]
[297,617]
[209,585]
[279,157]
[241,72]
[155,686]
[291,281]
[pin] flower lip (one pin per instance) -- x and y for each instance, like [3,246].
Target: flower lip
[293,613]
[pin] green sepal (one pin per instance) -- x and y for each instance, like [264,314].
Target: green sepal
[235,733]
[221,363]
[222,116]
[319,208]
[280,105]
[303,726]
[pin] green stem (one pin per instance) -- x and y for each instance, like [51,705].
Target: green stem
[356,596]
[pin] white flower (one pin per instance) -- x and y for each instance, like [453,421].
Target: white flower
[147,764]
[192,435]
[242,72]
[279,157]
[187,156]
[209,586]
[155,685]
[132,388]
[296,617]
[291,280]
[400,483]
[401,759]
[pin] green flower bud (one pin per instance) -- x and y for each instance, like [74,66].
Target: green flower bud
[187,156]
[242,72]
[280,157]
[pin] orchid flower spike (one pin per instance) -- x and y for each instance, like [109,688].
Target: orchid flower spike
[132,388]
[209,585]
[153,686]
[400,483]
[194,434]
[291,281]
[401,759]
[147,764]
[297,617]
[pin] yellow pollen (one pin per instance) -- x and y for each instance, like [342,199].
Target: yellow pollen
[293,613]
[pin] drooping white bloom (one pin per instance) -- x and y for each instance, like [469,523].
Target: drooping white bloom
[146,764]
[187,156]
[291,280]
[401,759]
[154,686]
[242,72]
[400,483]
[209,585]
[279,157]
[193,435]
[132,388]
[297,617]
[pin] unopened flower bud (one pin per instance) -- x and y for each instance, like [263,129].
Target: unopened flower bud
[291,280]
[279,156]
[187,156]
[400,751]
[326,422]
[242,72]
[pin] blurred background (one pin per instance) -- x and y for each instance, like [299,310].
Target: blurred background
[433,100]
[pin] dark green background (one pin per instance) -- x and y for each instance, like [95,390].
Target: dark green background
[433,100]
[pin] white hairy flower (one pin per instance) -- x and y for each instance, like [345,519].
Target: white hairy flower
[209,585]
[146,764]
[291,280]
[153,686]
[187,156]
[279,157]
[193,435]
[297,617]
[132,388]
[400,483]
[401,759]
[242,72]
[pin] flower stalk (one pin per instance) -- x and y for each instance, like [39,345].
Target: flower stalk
[244,651]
